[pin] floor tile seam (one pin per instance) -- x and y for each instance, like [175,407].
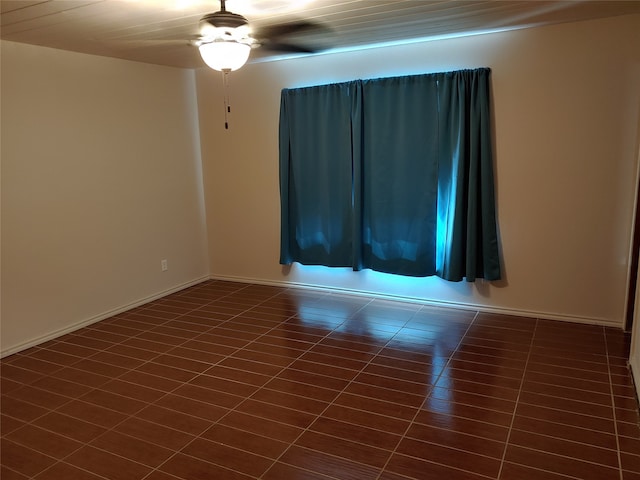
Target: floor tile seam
[48,349]
[162,391]
[160,354]
[613,406]
[329,359]
[559,355]
[413,419]
[28,477]
[593,430]
[234,325]
[175,452]
[323,416]
[504,350]
[577,442]
[236,358]
[330,404]
[576,390]
[567,457]
[507,337]
[305,469]
[69,398]
[251,347]
[404,420]
[584,403]
[226,295]
[410,363]
[318,344]
[451,467]
[293,360]
[56,459]
[521,331]
[38,417]
[338,457]
[90,445]
[569,477]
[230,410]
[200,437]
[346,370]
[570,411]
[467,403]
[515,410]
[577,375]
[63,366]
[159,306]
[457,432]
[193,331]
[135,323]
[146,403]
[480,372]
[135,417]
[500,393]
[469,418]
[458,450]
[487,360]
[311,431]
[60,367]
[370,363]
[175,297]
[541,358]
[558,376]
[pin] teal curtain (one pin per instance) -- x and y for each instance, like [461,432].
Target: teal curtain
[467,240]
[316,175]
[400,175]
[392,174]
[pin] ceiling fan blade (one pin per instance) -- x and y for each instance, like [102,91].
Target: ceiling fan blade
[291,28]
[288,47]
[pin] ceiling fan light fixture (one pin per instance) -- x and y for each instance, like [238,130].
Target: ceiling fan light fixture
[225,55]
[225,40]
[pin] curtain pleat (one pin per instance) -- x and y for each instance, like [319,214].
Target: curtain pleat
[400,175]
[316,176]
[467,244]
[392,174]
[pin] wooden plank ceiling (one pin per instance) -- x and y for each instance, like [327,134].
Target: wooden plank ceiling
[158,31]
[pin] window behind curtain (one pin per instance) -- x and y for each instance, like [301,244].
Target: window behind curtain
[391,174]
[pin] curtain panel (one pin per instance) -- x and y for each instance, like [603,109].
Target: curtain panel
[391,174]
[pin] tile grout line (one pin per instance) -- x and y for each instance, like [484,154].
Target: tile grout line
[613,403]
[230,410]
[517,402]
[127,416]
[197,374]
[112,428]
[412,421]
[329,404]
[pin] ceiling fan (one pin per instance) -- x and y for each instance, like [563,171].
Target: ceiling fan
[225,38]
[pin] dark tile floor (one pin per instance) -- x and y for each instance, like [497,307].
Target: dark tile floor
[235,381]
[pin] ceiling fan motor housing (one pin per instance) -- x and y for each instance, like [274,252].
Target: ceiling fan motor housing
[223,19]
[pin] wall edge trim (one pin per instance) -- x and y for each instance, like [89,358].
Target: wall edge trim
[101,316]
[437,303]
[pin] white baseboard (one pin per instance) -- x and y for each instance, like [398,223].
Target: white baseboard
[436,303]
[99,317]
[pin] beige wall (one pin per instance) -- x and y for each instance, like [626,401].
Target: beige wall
[101,176]
[101,179]
[566,105]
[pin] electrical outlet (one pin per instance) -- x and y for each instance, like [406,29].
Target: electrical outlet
[164,266]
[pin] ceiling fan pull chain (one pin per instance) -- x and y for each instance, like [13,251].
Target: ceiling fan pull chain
[227,106]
